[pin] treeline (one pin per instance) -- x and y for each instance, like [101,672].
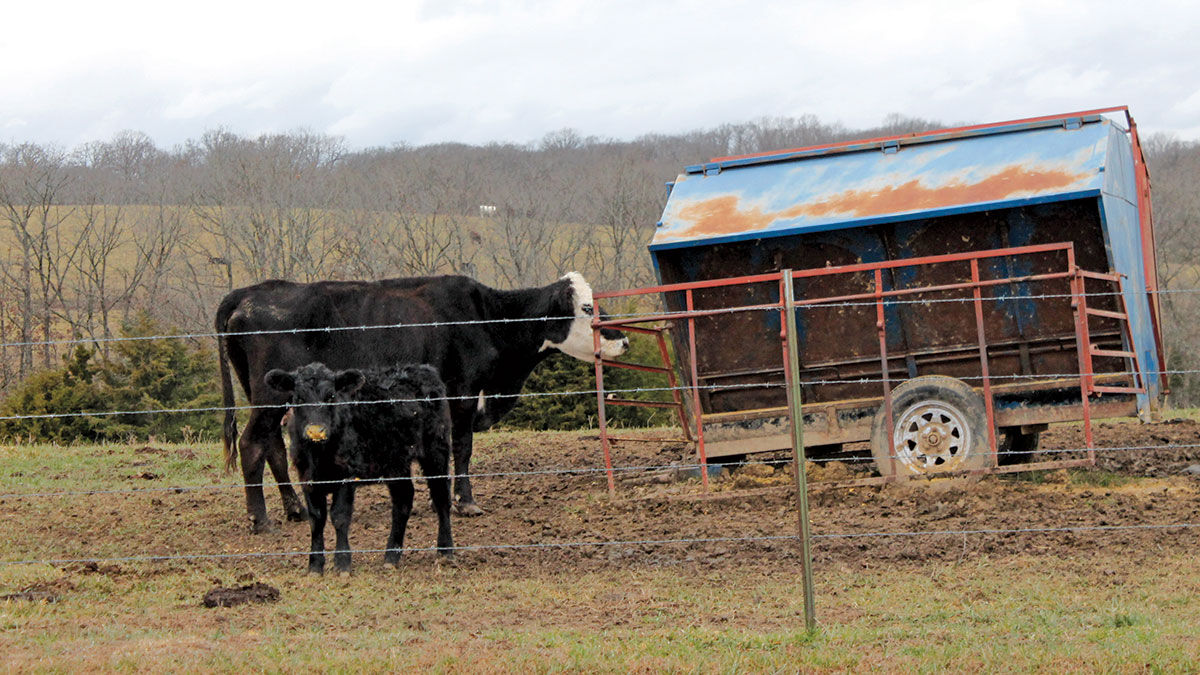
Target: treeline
[99,235]
[95,234]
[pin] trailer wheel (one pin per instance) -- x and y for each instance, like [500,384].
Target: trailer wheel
[938,424]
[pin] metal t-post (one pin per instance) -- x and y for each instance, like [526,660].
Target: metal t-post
[793,365]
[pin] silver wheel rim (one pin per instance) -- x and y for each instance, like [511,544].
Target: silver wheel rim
[931,436]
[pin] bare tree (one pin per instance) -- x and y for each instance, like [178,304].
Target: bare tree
[32,180]
[264,204]
[537,196]
[1174,168]
[407,223]
[624,206]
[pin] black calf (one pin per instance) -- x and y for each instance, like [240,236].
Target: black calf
[337,434]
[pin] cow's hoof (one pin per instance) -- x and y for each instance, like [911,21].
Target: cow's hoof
[446,560]
[469,509]
[300,516]
[264,526]
[345,574]
[316,572]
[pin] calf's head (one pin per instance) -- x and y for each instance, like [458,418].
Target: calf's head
[574,337]
[315,392]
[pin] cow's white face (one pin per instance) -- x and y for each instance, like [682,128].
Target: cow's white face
[578,342]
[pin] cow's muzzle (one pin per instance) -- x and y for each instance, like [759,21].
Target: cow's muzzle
[316,432]
[611,349]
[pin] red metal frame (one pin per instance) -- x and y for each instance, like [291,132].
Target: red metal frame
[602,401]
[1073,274]
[1149,252]
[977,296]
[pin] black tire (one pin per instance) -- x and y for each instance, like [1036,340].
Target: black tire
[728,460]
[939,424]
[1016,447]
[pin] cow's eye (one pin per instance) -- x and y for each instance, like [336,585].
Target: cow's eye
[587,309]
[331,398]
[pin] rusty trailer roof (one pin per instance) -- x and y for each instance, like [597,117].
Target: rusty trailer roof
[888,180]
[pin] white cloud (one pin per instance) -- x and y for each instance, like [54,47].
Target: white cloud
[477,71]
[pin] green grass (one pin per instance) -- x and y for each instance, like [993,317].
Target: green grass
[1019,615]
[42,467]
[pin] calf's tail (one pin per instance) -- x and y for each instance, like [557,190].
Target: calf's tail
[229,428]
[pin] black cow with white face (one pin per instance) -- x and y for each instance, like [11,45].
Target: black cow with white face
[354,425]
[483,341]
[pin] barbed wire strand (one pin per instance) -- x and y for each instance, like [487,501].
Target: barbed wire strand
[582,392]
[563,471]
[666,314]
[635,542]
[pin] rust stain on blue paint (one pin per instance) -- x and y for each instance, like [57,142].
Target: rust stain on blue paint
[724,214]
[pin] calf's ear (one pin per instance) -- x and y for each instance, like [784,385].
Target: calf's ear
[348,381]
[280,380]
[429,383]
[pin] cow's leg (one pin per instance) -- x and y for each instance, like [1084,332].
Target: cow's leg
[463,419]
[402,500]
[439,495]
[277,460]
[342,511]
[317,510]
[260,428]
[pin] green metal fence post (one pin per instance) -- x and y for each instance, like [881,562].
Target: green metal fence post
[797,417]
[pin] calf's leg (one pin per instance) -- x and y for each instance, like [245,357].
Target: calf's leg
[439,493]
[342,511]
[317,510]
[402,499]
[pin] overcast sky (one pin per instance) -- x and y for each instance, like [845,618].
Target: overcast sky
[424,72]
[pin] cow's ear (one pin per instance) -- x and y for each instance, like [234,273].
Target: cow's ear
[348,381]
[281,380]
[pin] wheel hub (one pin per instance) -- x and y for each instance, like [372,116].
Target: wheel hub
[931,436]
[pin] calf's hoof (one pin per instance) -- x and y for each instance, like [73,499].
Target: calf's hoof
[316,572]
[345,574]
[469,509]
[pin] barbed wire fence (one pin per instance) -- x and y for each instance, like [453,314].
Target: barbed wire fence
[10,495]
[667,314]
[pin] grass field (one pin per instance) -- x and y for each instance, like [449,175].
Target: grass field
[1012,614]
[1079,602]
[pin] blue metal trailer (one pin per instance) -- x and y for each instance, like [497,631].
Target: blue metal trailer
[962,289]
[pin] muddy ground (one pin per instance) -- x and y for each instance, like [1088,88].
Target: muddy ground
[530,515]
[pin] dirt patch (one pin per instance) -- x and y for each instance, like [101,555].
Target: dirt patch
[662,517]
[257,592]
[47,592]
[94,568]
